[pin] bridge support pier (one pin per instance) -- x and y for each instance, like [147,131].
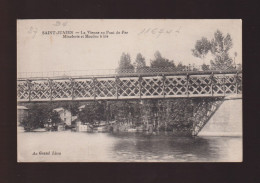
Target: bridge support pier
[204,110]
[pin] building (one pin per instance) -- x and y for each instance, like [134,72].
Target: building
[22,113]
[81,107]
[65,115]
[81,127]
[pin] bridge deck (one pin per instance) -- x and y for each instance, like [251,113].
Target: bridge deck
[130,86]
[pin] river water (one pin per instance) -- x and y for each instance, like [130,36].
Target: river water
[71,146]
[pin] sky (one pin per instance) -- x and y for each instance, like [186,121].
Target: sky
[40,51]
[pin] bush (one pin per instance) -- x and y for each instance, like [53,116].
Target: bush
[39,115]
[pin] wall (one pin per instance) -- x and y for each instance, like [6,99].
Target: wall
[227,120]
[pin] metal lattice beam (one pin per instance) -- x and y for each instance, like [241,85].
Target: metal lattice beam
[169,86]
[203,112]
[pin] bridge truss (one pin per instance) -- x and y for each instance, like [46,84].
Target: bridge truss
[136,86]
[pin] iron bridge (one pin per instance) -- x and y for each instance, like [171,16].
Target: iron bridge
[130,86]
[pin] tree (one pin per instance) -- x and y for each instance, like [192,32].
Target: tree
[222,62]
[139,61]
[161,62]
[220,46]
[72,106]
[125,64]
[92,112]
[140,64]
[55,118]
[205,67]
[202,47]
[181,67]
[31,122]
[235,55]
[87,115]
[38,115]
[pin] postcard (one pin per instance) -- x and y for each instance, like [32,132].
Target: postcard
[129,90]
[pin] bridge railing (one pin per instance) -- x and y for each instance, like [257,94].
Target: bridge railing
[142,71]
[98,72]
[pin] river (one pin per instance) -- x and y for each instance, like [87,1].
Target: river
[71,146]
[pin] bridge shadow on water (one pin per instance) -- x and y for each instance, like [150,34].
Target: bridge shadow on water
[167,147]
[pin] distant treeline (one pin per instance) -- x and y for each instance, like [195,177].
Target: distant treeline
[139,65]
[219,47]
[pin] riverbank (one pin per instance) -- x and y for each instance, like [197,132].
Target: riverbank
[180,116]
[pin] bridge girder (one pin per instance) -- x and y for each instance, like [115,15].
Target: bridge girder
[129,87]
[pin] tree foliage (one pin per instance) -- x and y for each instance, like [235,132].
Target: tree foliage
[125,63]
[205,67]
[38,115]
[161,62]
[139,61]
[180,67]
[55,118]
[93,112]
[72,106]
[221,44]
[222,62]
[219,47]
[202,47]
[87,114]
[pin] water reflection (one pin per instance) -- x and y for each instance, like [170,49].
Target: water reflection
[165,147]
[130,147]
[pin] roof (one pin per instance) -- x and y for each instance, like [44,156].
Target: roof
[74,118]
[58,109]
[61,109]
[22,107]
[81,107]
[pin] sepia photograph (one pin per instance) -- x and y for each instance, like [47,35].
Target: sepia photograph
[129,90]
